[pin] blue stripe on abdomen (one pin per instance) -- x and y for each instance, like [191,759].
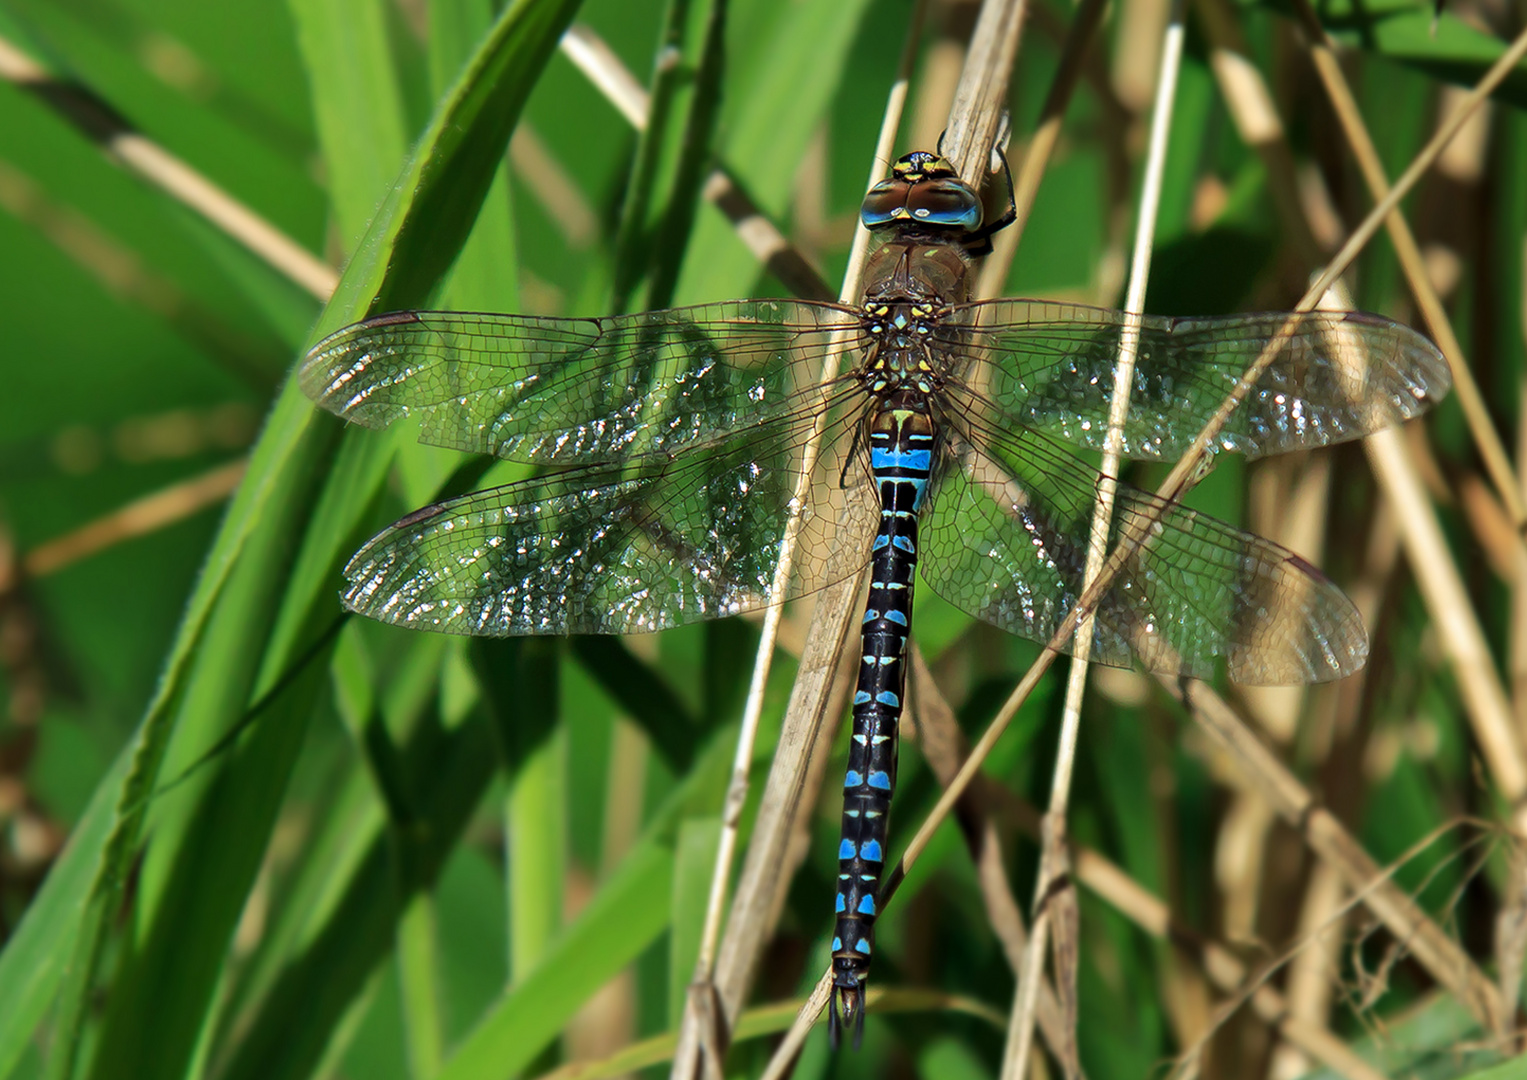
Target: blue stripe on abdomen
[893,458]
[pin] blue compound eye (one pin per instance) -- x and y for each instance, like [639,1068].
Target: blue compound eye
[922,188]
[945,202]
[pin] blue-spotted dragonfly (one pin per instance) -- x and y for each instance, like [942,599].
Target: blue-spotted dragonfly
[682,447]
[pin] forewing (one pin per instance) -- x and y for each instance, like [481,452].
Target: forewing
[656,543]
[578,391]
[1333,376]
[1005,536]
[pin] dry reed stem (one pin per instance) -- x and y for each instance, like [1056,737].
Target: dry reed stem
[138,518]
[95,118]
[1511,920]
[1329,839]
[1517,638]
[944,748]
[1053,899]
[1461,636]
[973,126]
[1041,145]
[1481,426]
[591,55]
[1316,966]
[980,98]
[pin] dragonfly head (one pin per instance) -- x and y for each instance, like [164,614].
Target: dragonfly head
[923,190]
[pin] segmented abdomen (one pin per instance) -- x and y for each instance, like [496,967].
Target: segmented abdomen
[901,455]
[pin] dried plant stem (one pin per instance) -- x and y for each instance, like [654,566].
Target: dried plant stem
[154,164]
[138,518]
[977,114]
[943,746]
[981,95]
[1484,697]
[599,64]
[1041,145]
[1330,840]
[1481,426]
[1049,901]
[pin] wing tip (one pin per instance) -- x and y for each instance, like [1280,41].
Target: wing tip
[1328,640]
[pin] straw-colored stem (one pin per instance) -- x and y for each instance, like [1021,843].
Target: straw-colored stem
[978,109]
[1329,840]
[1052,862]
[161,169]
[944,747]
[1481,426]
[138,518]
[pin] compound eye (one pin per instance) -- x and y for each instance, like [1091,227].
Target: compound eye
[945,202]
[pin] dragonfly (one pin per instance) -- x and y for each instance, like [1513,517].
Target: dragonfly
[706,461]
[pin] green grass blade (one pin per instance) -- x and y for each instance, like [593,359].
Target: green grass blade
[623,919]
[357,102]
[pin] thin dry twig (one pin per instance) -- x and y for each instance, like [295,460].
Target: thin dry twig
[686,1060]
[1481,426]
[598,62]
[1052,900]
[138,518]
[143,157]
[944,747]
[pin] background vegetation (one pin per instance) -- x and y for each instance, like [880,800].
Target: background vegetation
[380,854]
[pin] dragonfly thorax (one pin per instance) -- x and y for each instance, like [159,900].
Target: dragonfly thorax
[916,270]
[900,355]
[910,285]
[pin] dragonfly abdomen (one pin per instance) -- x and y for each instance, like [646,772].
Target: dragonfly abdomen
[901,456]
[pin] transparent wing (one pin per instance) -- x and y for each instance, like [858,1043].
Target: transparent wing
[1004,537]
[1336,375]
[577,391]
[656,543]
